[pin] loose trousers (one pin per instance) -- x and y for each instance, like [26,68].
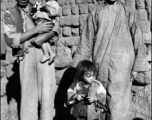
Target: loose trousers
[38,84]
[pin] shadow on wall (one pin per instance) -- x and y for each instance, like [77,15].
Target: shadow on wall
[138,119]
[62,112]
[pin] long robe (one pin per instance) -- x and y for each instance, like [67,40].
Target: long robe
[106,39]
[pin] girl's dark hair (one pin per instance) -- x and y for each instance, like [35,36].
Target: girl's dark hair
[83,67]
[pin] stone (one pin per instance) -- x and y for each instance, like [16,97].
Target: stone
[141,14]
[84,1]
[91,7]
[61,2]
[83,8]
[82,19]
[144,25]
[130,3]
[78,1]
[140,4]
[72,2]
[66,10]
[74,9]
[67,2]
[75,31]
[75,20]
[65,21]
[66,31]
[60,11]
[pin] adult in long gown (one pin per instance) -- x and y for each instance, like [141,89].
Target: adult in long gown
[107,40]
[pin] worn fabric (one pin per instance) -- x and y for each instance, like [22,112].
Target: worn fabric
[38,82]
[83,108]
[106,39]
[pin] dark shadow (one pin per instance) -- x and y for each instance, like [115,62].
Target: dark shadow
[62,113]
[138,119]
[13,87]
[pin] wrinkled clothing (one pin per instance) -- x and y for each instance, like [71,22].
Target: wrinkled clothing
[106,39]
[83,109]
[38,82]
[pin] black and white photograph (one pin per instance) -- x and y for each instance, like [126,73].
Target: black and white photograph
[76,60]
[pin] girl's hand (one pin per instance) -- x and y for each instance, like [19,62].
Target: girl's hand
[79,97]
[91,99]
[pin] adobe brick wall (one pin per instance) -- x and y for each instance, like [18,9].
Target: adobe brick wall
[73,14]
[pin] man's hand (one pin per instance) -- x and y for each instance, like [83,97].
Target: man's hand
[44,27]
[134,75]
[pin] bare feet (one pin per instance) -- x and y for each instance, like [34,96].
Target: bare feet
[52,58]
[44,59]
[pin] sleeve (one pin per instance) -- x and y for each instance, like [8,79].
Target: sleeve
[12,38]
[56,27]
[101,94]
[141,63]
[85,46]
[71,93]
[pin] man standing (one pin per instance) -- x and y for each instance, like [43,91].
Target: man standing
[38,84]
[106,39]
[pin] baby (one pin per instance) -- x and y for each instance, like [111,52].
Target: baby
[52,9]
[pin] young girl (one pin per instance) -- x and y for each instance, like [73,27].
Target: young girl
[52,9]
[86,95]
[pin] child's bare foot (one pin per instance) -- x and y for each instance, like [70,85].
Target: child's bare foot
[44,59]
[52,58]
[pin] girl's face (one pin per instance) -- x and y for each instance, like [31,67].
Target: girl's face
[88,77]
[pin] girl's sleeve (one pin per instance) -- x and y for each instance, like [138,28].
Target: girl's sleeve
[71,93]
[140,64]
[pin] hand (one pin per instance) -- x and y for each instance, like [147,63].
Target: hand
[79,97]
[134,75]
[44,27]
[91,99]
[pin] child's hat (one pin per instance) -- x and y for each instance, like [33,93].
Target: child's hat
[53,7]
[41,15]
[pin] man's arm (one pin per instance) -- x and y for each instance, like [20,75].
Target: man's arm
[41,38]
[14,39]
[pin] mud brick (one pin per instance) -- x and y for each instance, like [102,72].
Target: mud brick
[145,26]
[66,31]
[65,21]
[67,2]
[74,9]
[130,3]
[75,31]
[78,1]
[84,1]
[75,20]
[141,14]
[61,2]
[60,11]
[83,19]
[66,10]
[91,7]
[83,8]
[72,1]
[140,4]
